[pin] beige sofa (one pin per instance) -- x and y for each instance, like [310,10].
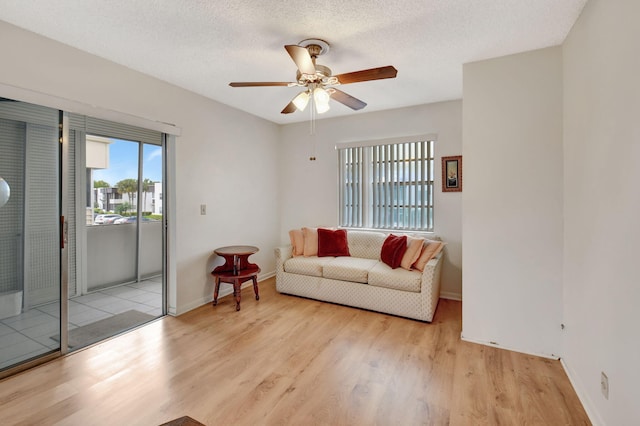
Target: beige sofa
[362,280]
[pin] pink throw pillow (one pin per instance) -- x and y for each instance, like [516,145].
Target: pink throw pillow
[310,241]
[430,250]
[414,248]
[297,242]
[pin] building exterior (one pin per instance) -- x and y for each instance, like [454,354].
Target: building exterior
[109,200]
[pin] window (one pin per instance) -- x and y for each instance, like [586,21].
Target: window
[387,184]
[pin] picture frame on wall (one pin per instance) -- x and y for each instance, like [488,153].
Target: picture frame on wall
[452,174]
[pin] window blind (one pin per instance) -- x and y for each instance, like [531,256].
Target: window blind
[387,185]
[99,127]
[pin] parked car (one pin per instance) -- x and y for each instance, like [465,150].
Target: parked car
[130,219]
[103,219]
[112,219]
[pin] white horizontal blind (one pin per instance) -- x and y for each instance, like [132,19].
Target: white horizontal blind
[42,215]
[28,162]
[28,113]
[12,145]
[71,216]
[99,127]
[387,186]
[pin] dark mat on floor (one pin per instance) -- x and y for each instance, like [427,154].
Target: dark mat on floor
[183,421]
[104,328]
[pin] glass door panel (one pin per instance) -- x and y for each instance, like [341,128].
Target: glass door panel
[151,230]
[123,281]
[29,233]
[109,276]
[111,238]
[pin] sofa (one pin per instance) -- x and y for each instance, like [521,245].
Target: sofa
[360,278]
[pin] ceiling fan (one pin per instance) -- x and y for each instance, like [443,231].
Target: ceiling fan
[317,80]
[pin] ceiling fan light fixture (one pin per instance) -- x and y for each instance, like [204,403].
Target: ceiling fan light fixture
[317,80]
[301,100]
[321,99]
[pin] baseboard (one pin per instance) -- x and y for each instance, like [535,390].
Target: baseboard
[496,345]
[451,295]
[183,309]
[587,403]
[266,276]
[224,291]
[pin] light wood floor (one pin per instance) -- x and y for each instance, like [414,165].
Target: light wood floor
[291,361]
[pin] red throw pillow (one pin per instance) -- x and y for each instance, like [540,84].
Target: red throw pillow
[393,249]
[332,243]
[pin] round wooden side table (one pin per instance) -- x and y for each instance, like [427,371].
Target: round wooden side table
[236,270]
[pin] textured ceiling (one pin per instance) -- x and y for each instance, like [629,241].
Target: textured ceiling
[202,45]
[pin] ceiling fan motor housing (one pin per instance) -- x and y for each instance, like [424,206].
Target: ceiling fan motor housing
[322,73]
[314,50]
[315,46]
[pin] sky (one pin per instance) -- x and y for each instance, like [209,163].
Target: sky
[123,163]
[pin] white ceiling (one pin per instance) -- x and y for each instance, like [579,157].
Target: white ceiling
[202,45]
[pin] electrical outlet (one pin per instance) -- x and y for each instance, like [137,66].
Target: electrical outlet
[604,385]
[203,209]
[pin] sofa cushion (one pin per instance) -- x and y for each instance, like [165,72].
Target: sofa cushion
[311,265]
[381,275]
[365,244]
[332,242]
[393,249]
[349,269]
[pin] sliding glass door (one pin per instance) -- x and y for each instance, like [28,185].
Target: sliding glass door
[82,231]
[119,225]
[30,245]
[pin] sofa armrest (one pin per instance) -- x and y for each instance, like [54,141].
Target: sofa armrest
[430,285]
[282,254]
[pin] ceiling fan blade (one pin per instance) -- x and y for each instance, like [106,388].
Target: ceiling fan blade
[289,108]
[348,100]
[302,58]
[258,84]
[366,75]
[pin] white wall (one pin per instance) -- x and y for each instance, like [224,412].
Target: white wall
[309,189]
[602,206]
[512,201]
[516,239]
[225,158]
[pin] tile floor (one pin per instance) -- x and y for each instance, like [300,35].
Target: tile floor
[29,334]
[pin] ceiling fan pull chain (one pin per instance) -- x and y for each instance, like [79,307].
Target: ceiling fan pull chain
[312,129]
[312,121]
[314,139]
